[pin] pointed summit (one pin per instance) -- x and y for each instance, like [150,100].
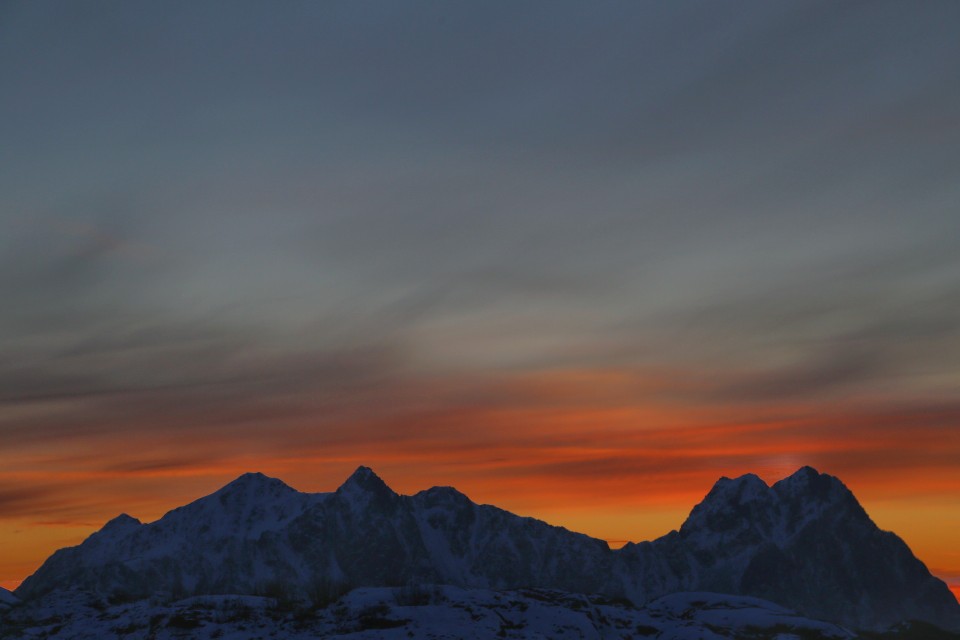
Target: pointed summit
[362,472]
[364,479]
[809,483]
[251,478]
[804,476]
[742,489]
[365,488]
[119,526]
[807,495]
[739,508]
[255,483]
[122,521]
[806,471]
[727,493]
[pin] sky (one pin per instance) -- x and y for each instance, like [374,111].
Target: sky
[577,259]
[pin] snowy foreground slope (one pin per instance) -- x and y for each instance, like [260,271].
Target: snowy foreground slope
[804,542]
[427,612]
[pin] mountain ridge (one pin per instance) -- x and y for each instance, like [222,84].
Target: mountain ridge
[804,542]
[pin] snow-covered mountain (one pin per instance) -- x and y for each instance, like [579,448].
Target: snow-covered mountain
[805,543]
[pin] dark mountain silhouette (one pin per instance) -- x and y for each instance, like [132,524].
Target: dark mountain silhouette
[805,543]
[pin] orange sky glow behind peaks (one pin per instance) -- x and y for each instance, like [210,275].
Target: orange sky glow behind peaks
[580,462]
[576,260]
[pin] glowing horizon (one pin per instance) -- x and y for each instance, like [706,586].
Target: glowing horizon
[653,515]
[578,260]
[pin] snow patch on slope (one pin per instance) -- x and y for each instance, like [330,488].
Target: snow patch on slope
[435,611]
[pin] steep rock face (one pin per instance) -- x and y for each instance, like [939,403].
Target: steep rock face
[257,532]
[486,546]
[366,534]
[224,542]
[805,542]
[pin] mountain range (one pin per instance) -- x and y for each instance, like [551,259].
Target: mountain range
[804,542]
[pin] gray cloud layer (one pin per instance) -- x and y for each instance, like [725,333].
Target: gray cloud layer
[248,212]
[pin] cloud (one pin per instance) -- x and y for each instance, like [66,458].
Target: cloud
[831,375]
[551,254]
[19,500]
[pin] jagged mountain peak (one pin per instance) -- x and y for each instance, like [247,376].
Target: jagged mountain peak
[251,477]
[246,507]
[806,471]
[778,510]
[122,520]
[810,483]
[362,481]
[809,496]
[806,484]
[255,483]
[362,473]
[115,529]
[736,515]
[741,514]
[743,488]
[732,502]
[793,542]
